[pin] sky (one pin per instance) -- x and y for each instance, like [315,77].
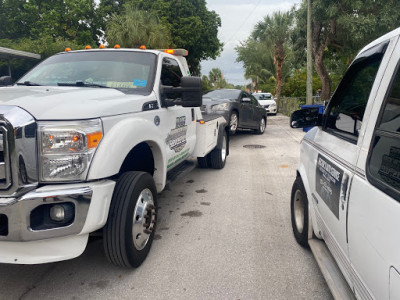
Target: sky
[238,18]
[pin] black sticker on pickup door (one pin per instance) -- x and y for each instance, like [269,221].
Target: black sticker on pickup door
[176,139]
[328,182]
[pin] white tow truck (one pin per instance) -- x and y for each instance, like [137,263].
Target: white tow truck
[87,140]
[345,201]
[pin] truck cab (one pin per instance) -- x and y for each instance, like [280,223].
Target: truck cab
[345,201]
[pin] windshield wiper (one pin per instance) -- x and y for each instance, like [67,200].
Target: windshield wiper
[28,83]
[81,83]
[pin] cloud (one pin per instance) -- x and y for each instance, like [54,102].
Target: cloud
[237,22]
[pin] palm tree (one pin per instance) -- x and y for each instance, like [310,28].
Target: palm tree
[135,27]
[274,31]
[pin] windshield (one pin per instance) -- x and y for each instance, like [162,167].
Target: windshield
[263,96]
[128,71]
[230,94]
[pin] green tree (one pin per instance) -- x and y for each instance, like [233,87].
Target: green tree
[216,79]
[192,26]
[273,30]
[133,28]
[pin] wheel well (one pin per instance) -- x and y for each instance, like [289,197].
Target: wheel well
[140,158]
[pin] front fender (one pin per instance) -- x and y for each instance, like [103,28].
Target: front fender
[120,137]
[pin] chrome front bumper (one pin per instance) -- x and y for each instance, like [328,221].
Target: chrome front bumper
[15,213]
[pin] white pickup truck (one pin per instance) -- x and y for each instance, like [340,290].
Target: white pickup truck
[87,139]
[346,199]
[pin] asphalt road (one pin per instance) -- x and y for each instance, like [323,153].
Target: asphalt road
[222,234]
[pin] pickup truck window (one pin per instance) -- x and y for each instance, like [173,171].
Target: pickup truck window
[171,72]
[128,71]
[346,109]
[383,168]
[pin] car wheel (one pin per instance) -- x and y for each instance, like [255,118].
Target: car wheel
[129,232]
[299,212]
[261,126]
[233,122]
[218,155]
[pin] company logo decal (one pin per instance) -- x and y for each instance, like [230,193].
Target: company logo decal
[328,181]
[176,139]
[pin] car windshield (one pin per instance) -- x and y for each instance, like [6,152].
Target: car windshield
[230,94]
[128,71]
[263,96]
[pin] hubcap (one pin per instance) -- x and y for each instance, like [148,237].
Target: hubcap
[144,219]
[233,122]
[223,150]
[299,210]
[262,125]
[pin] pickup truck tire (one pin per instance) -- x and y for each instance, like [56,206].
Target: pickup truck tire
[233,123]
[218,155]
[129,232]
[261,126]
[299,212]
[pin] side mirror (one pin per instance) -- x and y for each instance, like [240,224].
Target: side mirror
[191,91]
[307,117]
[246,99]
[189,94]
[5,80]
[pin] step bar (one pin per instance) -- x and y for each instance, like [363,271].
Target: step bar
[330,270]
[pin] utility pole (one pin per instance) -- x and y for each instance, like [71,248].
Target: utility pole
[309,55]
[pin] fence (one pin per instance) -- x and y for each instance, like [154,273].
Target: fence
[287,105]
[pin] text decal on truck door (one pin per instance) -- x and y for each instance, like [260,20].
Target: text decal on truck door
[176,139]
[328,182]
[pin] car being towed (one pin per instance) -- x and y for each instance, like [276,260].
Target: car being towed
[238,107]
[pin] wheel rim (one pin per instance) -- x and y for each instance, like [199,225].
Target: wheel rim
[233,122]
[223,149]
[144,219]
[262,125]
[299,210]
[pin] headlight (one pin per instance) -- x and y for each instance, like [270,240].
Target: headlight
[273,104]
[222,106]
[67,148]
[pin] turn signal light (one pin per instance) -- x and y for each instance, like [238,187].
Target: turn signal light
[93,139]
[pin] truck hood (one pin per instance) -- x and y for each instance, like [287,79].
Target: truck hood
[67,103]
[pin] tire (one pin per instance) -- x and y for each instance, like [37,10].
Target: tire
[261,126]
[233,122]
[218,155]
[129,232]
[299,212]
[204,162]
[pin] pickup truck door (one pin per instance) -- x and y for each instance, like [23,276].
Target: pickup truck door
[335,149]
[177,123]
[374,205]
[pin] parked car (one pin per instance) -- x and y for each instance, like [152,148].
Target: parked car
[267,101]
[238,107]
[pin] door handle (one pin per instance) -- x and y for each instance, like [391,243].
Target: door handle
[343,189]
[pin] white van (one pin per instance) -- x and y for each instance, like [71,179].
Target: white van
[345,201]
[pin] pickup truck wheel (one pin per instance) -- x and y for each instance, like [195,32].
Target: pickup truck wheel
[129,232]
[233,123]
[261,126]
[218,155]
[299,212]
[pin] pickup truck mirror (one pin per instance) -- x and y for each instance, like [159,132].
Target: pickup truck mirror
[190,93]
[306,117]
[5,80]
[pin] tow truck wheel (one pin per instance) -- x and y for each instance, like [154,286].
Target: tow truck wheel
[299,212]
[218,155]
[129,232]
[261,126]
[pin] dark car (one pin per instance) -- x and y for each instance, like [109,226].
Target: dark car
[238,107]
